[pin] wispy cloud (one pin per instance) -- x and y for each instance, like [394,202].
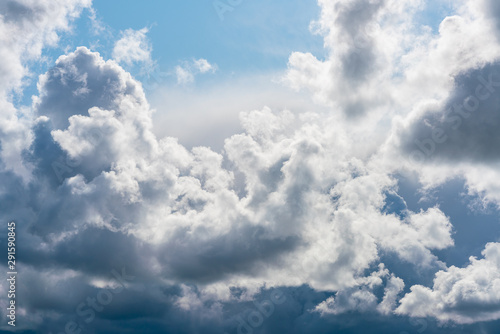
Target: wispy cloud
[187,72]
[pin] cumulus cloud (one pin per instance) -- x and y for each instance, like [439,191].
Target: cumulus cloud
[393,288]
[293,200]
[305,202]
[26,28]
[462,295]
[454,135]
[463,129]
[362,298]
[133,47]
[366,41]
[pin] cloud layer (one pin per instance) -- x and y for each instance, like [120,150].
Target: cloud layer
[297,202]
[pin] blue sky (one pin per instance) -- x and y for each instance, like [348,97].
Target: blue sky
[254,36]
[323,166]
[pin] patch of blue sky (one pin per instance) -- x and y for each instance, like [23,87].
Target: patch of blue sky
[254,36]
[434,12]
[473,227]
[395,204]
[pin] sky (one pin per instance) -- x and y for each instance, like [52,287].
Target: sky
[236,166]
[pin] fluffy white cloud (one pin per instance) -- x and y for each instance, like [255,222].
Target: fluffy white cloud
[462,295]
[434,227]
[393,288]
[294,199]
[22,42]
[366,41]
[26,27]
[308,212]
[362,297]
[133,47]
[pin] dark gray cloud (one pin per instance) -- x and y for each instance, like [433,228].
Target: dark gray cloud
[354,20]
[493,8]
[211,261]
[144,313]
[465,128]
[18,12]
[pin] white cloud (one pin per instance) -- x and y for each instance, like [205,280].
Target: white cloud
[462,295]
[133,47]
[362,298]
[26,28]
[358,300]
[434,228]
[294,198]
[367,41]
[188,70]
[393,288]
[184,75]
[203,66]
[306,201]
